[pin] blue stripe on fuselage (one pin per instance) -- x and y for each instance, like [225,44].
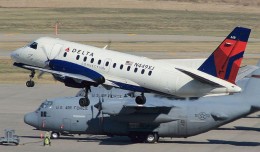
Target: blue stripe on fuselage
[69,67]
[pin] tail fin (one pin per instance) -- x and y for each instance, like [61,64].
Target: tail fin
[225,61]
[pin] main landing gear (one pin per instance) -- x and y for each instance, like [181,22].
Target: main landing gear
[150,138]
[140,99]
[84,102]
[31,83]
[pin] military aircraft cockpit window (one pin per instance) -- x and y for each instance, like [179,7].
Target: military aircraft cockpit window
[41,106]
[46,104]
[33,45]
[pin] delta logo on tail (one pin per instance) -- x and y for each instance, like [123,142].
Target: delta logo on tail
[225,61]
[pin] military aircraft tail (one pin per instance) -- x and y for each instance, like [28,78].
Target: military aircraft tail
[225,61]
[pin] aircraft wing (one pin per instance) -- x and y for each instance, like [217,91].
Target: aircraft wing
[127,111]
[160,104]
[110,81]
[62,74]
[127,106]
[209,79]
[117,81]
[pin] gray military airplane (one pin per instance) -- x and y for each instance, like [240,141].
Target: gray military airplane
[167,118]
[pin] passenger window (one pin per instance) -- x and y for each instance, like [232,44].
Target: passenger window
[99,62]
[107,63]
[135,70]
[85,59]
[128,68]
[92,60]
[65,54]
[121,66]
[142,72]
[77,57]
[33,45]
[114,65]
[150,73]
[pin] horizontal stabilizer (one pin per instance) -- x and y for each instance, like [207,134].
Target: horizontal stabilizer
[209,79]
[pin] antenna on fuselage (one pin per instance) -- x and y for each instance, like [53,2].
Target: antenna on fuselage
[108,45]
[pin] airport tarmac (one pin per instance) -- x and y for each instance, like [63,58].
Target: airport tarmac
[16,100]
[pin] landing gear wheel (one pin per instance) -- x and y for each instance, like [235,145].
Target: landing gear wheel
[84,102]
[151,138]
[30,83]
[140,100]
[55,135]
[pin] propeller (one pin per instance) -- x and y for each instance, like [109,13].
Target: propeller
[46,55]
[47,62]
[99,107]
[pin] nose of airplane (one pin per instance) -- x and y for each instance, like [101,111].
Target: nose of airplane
[15,55]
[31,119]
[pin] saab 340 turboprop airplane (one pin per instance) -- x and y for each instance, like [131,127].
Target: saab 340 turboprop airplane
[82,66]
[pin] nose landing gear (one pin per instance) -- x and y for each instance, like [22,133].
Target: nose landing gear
[31,83]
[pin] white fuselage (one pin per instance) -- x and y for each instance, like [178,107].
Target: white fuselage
[126,71]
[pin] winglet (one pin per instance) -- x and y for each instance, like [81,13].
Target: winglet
[225,61]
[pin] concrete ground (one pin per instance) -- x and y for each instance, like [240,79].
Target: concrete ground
[17,100]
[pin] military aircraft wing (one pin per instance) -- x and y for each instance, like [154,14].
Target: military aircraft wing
[245,71]
[127,106]
[160,104]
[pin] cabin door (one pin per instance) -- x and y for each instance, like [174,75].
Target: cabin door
[66,124]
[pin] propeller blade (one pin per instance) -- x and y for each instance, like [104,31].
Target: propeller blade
[57,54]
[99,107]
[40,74]
[45,53]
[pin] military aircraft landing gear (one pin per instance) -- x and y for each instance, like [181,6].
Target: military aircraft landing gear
[140,99]
[144,137]
[55,135]
[31,83]
[151,138]
[84,102]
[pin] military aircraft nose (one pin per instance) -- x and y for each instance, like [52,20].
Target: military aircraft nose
[31,119]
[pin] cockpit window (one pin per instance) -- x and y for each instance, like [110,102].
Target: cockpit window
[46,104]
[33,45]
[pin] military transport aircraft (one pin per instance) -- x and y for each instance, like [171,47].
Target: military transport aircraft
[82,66]
[167,118]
